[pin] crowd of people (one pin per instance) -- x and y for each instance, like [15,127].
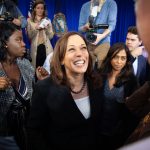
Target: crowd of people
[90,95]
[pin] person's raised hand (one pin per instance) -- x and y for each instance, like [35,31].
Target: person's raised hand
[4,83]
[41,73]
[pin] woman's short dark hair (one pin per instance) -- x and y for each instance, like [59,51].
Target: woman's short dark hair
[6,30]
[58,73]
[133,30]
[106,67]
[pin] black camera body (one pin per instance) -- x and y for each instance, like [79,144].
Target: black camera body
[90,36]
[6,17]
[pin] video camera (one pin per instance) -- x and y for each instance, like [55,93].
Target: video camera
[90,36]
[6,17]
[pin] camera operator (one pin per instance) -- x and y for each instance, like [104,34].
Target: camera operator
[10,12]
[101,12]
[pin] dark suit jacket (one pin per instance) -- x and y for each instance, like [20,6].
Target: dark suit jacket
[142,69]
[139,104]
[57,123]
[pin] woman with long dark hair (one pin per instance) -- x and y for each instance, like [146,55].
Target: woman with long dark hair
[119,82]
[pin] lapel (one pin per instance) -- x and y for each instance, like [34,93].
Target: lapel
[95,100]
[73,108]
[27,72]
[140,66]
[66,102]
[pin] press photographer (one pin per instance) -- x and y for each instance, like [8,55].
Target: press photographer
[93,27]
[10,12]
[90,33]
[97,20]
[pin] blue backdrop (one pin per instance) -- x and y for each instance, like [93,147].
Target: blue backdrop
[71,9]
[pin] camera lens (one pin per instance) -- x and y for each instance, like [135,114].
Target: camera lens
[91,37]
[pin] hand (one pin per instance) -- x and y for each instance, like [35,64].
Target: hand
[41,73]
[98,39]
[4,83]
[44,27]
[47,26]
[37,26]
[137,51]
[86,27]
[17,21]
[44,23]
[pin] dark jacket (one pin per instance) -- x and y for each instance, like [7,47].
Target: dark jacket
[57,123]
[7,96]
[142,69]
[117,121]
[139,104]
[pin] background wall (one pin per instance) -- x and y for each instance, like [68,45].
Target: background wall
[71,9]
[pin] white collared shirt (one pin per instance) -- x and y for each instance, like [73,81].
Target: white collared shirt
[135,65]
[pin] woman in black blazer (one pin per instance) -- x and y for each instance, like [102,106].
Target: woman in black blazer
[66,106]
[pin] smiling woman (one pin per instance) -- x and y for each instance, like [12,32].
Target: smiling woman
[68,102]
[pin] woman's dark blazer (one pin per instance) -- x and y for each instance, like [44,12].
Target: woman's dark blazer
[118,118]
[57,123]
[130,84]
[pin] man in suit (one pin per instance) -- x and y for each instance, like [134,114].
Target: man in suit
[134,42]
